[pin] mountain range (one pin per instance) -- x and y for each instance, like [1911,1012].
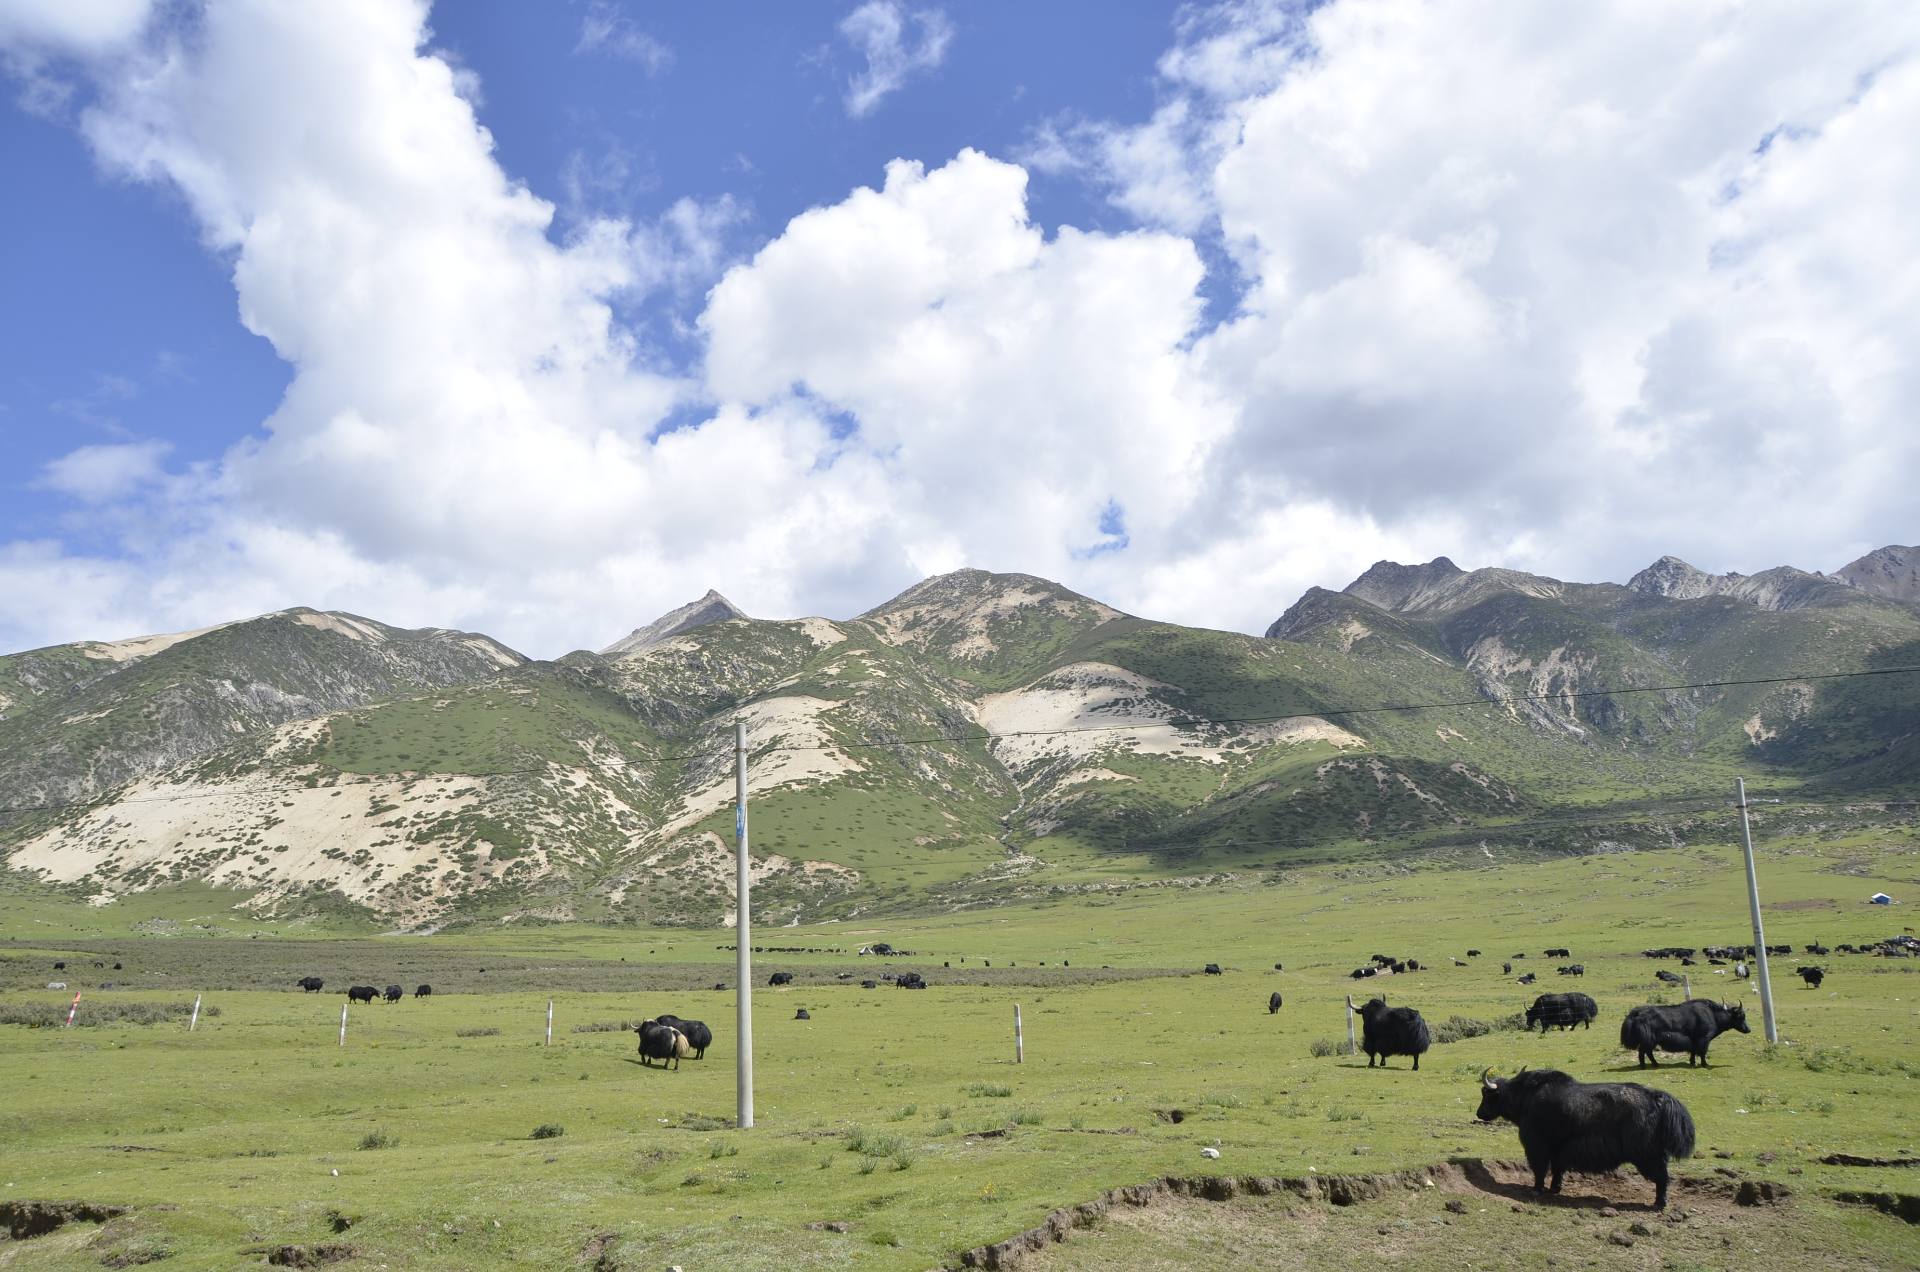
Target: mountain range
[978,737]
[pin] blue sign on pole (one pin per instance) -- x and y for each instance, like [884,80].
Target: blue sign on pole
[739,823]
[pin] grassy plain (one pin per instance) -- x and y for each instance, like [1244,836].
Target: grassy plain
[902,1115]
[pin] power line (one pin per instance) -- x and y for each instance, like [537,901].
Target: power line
[1173,722]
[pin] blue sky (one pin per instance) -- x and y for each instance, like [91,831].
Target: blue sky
[542,319]
[117,324]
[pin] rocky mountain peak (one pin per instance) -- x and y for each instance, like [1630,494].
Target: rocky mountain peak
[1672,577]
[1393,586]
[1892,572]
[711,608]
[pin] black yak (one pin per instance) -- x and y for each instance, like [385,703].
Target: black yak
[663,1043]
[1473,953]
[699,1037]
[780,978]
[1573,969]
[1506,969]
[395,993]
[803,1014]
[310,984]
[1392,1031]
[1690,1027]
[362,993]
[423,991]
[1564,1010]
[1813,976]
[1273,1002]
[1589,1126]
[1211,969]
[868,984]
[1528,979]
[1667,977]
[910,980]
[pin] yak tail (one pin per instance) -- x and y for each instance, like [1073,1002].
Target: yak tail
[1422,1040]
[1634,1036]
[1676,1126]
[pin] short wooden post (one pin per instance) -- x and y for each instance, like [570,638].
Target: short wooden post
[1686,986]
[1352,1047]
[71,1010]
[1019,1041]
[549,1022]
[195,1018]
[343,1024]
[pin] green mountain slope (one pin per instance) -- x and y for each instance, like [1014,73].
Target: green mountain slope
[978,737]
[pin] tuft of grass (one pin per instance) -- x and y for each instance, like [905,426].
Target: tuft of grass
[601,1026]
[548,1130]
[1335,1113]
[1221,1100]
[1322,1047]
[378,1139]
[988,1090]
[481,1031]
[874,1144]
[905,1111]
[720,1148]
[1026,1117]
[1455,1028]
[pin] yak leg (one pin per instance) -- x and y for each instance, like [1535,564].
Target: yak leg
[1557,1170]
[1656,1170]
[1416,1064]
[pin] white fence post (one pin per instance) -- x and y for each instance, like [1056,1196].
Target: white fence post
[71,1010]
[549,1022]
[195,1019]
[1351,1046]
[1019,1041]
[343,1024]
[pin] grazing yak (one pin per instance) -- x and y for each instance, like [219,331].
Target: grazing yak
[362,993]
[1573,969]
[1559,953]
[1273,1002]
[310,984]
[1211,969]
[1506,969]
[1589,1126]
[780,978]
[663,1043]
[1528,979]
[699,1037]
[1564,1010]
[423,991]
[1813,976]
[395,993]
[910,980]
[1473,953]
[1392,1031]
[1667,977]
[803,1014]
[1690,1027]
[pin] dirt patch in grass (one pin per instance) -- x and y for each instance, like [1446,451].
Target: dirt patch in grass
[1411,1216]
[1806,903]
[309,1256]
[25,1219]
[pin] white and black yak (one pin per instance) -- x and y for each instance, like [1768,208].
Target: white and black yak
[1564,1010]
[663,1043]
[1690,1027]
[1589,1127]
[1392,1031]
[698,1036]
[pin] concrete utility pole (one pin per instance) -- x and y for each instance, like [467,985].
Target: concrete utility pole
[1753,904]
[743,931]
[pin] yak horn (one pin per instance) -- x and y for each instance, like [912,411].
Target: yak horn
[1488,1080]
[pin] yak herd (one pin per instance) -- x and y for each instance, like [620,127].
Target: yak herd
[1564,1124]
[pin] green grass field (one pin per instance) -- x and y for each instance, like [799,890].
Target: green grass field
[902,1115]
